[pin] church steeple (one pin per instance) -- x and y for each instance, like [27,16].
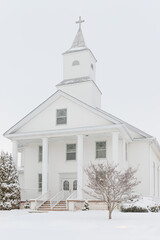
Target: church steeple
[79,62]
[79,71]
[78,42]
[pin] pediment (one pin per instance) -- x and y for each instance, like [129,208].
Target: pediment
[43,118]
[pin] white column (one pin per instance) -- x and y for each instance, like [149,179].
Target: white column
[150,173]
[124,153]
[115,141]
[15,152]
[45,166]
[79,166]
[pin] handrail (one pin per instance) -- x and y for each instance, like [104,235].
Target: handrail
[72,196]
[56,199]
[41,199]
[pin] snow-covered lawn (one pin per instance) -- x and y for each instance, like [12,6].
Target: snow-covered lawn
[89,225]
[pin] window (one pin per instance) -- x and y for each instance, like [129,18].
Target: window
[61,116]
[66,185]
[75,63]
[100,149]
[40,182]
[92,67]
[40,154]
[71,152]
[75,185]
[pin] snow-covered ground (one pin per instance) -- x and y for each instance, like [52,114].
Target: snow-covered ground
[89,225]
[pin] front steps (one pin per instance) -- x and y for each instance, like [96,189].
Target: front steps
[61,206]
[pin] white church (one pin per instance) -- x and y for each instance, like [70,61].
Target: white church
[68,131]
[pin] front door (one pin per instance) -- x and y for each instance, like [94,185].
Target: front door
[69,185]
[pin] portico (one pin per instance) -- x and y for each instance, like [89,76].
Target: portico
[54,149]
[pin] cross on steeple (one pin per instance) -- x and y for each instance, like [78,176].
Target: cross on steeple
[80,21]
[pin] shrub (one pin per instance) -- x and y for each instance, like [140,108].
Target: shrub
[133,209]
[140,205]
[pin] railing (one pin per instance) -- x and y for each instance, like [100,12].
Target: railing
[56,199]
[42,199]
[73,196]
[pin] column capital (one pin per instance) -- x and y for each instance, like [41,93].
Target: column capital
[115,133]
[80,136]
[45,139]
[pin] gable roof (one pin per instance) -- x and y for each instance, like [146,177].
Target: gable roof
[47,102]
[129,126]
[97,111]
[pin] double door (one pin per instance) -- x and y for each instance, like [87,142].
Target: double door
[69,185]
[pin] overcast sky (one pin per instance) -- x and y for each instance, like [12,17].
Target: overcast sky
[124,35]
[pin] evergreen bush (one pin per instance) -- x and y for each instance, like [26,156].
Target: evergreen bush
[9,183]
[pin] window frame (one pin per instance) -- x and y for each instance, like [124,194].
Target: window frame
[101,149]
[74,185]
[40,154]
[61,117]
[39,182]
[66,184]
[75,63]
[71,151]
[92,66]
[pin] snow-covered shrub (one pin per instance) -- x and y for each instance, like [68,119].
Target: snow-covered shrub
[142,204]
[9,184]
[86,206]
[133,209]
[26,204]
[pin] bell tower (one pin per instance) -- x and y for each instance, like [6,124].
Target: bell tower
[79,61]
[79,71]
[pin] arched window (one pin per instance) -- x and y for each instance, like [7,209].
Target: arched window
[75,185]
[75,63]
[66,185]
[92,67]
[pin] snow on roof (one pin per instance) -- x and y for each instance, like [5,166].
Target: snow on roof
[74,80]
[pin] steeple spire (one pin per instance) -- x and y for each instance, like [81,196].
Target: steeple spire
[78,43]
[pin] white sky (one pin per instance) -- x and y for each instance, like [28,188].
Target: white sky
[124,35]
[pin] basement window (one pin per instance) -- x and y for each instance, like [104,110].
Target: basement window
[61,116]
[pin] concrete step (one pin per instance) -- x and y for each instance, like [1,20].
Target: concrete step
[61,206]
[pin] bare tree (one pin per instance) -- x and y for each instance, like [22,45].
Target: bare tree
[107,183]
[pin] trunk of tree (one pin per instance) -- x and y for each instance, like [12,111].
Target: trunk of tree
[110,212]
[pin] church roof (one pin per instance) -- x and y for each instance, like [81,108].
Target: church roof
[98,111]
[79,40]
[78,43]
[74,80]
